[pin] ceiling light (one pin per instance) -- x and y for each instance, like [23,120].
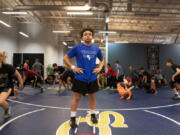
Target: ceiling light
[23,34]
[80,13]
[121,42]
[70,47]
[86,7]
[146,14]
[64,43]
[7,25]
[61,31]
[15,13]
[110,32]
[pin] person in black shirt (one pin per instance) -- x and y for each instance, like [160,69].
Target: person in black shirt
[7,73]
[149,82]
[59,71]
[177,79]
[141,77]
[66,79]
[134,75]
[173,81]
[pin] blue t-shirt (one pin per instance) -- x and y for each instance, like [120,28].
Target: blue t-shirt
[121,72]
[86,59]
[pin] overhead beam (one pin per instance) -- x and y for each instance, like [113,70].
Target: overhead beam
[40,7]
[171,2]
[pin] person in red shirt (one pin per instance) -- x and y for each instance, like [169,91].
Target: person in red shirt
[30,74]
[25,68]
[35,78]
[111,76]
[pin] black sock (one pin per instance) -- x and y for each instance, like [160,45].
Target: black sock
[6,110]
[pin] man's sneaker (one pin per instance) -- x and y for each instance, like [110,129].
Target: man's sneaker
[7,113]
[94,119]
[176,97]
[73,122]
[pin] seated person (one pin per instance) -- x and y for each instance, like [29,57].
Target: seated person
[50,78]
[69,78]
[134,75]
[141,77]
[159,77]
[125,88]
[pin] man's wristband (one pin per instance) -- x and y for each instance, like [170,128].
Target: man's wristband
[73,67]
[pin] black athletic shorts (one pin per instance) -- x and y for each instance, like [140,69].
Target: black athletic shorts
[84,87]
[177,78]
[173,83]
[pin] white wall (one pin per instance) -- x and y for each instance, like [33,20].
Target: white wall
[8,37]
[41,41]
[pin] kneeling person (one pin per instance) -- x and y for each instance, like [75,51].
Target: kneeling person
[125,88]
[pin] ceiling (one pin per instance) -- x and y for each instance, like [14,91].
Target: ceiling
[134,21]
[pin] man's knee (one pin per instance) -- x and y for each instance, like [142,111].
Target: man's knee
[1,102]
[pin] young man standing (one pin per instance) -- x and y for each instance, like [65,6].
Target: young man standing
[172,83]
[38,67]
[85,73]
